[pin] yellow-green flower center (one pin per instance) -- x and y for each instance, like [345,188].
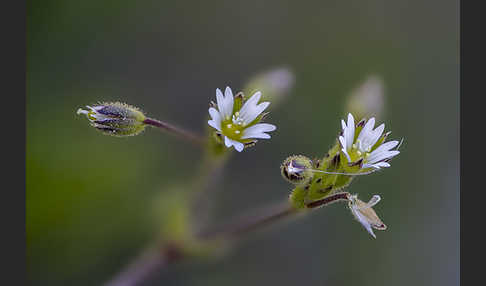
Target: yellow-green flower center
[232,130]
[355,153]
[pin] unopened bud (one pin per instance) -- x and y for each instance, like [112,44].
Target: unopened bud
[115,118]
[274,84]
[367,100]
[297,169]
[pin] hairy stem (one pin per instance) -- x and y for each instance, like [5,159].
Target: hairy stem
[149,262]
[249,223]
[193,138]
[344,196]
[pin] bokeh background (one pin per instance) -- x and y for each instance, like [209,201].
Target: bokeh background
[90,198]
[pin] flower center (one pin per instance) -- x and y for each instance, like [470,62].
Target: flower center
[232,130]
[237,119]
[357,152]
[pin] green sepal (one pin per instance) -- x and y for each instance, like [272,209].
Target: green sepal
[238,101]
[297,197]
[215,145]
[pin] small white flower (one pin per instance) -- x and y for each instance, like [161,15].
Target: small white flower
[365,214]
[364,145]
[239,127]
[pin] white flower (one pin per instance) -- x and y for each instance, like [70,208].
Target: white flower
[239,127]
[365,214]
[366,145]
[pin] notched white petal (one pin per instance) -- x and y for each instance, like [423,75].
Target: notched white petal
[215,121]
[254,112]
[366,131]
[214,114]
[228,103]
[373,138]
[350,131]
[228,142]
[387,145]
[256,136]
[228,92]
[238,146]
[250,104]
[220,101]
[382,165]
[215,124]
[261,127]
[258,131]
[382,156]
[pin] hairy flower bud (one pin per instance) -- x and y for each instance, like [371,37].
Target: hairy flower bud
[274,84]
[115,118]
[367,100]
[297,169]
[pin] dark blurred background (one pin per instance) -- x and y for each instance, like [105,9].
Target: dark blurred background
[90,197]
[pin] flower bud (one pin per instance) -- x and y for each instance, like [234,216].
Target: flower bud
[297,169]
[367,100]
[115,118]
[274,84]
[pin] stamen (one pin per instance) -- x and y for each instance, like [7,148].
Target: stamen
[237,119]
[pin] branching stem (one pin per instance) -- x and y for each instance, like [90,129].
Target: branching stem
[156,259]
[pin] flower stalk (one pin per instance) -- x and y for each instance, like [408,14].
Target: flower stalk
[179,132]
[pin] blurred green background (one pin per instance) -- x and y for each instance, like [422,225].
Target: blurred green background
[90,198]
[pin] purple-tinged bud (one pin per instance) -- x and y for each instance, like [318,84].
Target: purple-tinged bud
[115,118]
